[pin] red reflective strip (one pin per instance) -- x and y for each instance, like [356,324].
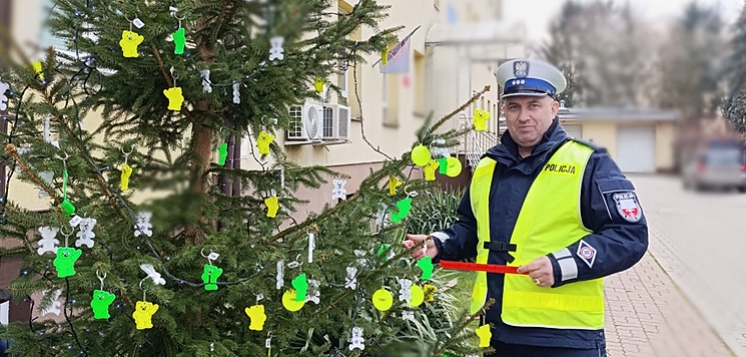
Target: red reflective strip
[489,268]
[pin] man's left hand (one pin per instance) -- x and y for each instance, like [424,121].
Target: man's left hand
[540,270]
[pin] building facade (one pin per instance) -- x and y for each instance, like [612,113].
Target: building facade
[453,54]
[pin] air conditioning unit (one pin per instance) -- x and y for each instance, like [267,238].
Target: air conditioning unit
[336,123]
[306,123]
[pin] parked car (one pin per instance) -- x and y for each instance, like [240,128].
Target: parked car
[720,167]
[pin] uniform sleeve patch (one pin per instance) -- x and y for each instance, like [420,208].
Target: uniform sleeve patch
[627,206]
[586,253]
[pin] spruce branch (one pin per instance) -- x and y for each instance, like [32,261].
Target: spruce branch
[365,279]
[223,9]
[461,108]
[13,151]
[161,66]
[360,107]
[69,320]
[19,236]
[460,327]
[367,183]
[100,179]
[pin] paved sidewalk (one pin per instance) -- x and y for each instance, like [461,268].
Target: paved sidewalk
[699,240]
[646,315]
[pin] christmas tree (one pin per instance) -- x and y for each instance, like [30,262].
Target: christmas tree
[215,264]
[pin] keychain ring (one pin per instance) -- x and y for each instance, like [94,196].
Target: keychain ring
[143,290]
[132,148]
[410,194]
[101,278]
[202,253]
[62,230]
[62,158]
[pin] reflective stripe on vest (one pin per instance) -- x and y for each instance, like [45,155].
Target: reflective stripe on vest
[549,221]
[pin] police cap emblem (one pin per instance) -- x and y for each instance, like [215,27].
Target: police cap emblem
[520,69]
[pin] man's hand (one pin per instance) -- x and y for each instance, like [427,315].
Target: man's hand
[540,270]
[415,239]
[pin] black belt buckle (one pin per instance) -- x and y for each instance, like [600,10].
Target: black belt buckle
[502,249]
[499,246]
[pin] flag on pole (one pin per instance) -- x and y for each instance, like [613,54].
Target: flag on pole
[398,57]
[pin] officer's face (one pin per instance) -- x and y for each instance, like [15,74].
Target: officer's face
[528,118]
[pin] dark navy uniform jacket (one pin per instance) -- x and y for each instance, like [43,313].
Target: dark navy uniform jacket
[618,242]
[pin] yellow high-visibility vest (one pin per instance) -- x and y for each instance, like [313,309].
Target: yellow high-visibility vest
[549,221]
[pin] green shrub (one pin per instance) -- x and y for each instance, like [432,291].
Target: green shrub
[433,210]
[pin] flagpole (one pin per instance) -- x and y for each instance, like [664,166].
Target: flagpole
[402,41]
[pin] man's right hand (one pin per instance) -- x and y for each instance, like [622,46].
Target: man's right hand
[417,253]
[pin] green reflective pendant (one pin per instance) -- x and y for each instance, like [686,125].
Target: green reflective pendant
[67,207]
[443,165]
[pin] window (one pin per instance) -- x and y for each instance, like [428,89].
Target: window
[46,38]
[343,76]
[385,99]
[343,80]
[4,313]
[390,102]
[420,106]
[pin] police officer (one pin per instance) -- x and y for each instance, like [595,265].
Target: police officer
[558,208]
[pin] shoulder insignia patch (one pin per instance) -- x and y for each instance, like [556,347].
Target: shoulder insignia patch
[627,206]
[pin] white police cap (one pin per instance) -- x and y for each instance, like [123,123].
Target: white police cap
[530,77]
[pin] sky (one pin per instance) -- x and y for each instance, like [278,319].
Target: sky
[537,14]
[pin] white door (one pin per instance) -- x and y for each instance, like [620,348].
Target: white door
[635,148]
[4,313]
[573,130]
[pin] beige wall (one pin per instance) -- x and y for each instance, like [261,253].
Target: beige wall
[26,25]
[602,133]
[664,138]
[26,29]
